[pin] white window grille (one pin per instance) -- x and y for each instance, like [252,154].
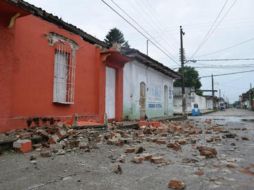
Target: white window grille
[64,68]
[64,77]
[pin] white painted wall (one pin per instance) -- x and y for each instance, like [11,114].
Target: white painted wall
[201,101]
[134,74]
[110,92]
[209,104]
[191,99]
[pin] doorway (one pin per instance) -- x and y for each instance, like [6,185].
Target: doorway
[166,100]
[110,92]
[142,100]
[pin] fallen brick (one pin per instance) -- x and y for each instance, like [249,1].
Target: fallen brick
[199,172]
[23,145]
[53,139]
[147,156]
[137,159]
[32,157]
[46,153]
[73,143]
[181,142]
[176,184]
[139,150]
[43,133]
[61,152]
[229,135]
[161,141]
[174,146]
[83,145]
[245,139]
[117,169]
[158,160]
[147,131]
[121,159]
[25,135]
[189,160]
[130,150]
[207,151]
[61,133]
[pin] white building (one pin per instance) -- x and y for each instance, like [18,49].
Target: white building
[147,87]
[191,99]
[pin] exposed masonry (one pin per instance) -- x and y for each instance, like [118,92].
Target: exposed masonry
[54,38]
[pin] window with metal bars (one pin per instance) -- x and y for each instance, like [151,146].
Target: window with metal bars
[64,75]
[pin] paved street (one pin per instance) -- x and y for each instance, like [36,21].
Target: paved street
[233,167]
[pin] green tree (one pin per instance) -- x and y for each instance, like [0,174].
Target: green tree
[191,79]
[116,36]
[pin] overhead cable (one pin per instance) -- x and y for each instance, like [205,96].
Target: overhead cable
[210,29]
[227,74]
[140,32]
[227,48]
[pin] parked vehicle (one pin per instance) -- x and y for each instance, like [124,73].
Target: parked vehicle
[222,106]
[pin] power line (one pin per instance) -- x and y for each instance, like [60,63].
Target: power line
[221,66]
[151,21]
[228,11]
[141,27]
[157,21]
[210,29]
[227,48]
[224,66]
[234,59]
[140,32]
[228,74]
[221,20]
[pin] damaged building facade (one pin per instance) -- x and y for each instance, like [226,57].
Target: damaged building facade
[51,70]
[148,87]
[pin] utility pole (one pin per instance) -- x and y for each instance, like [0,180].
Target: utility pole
[147,46]
[250,96]
[214,106]
[182,67]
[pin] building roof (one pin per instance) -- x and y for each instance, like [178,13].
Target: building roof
[55,20]
[148,61]
[246,95]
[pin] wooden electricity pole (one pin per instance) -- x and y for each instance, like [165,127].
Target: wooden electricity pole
[214,104]
[182,66]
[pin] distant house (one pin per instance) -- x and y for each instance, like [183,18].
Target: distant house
[191,99]
[50,70]
[148,87]
[247,99]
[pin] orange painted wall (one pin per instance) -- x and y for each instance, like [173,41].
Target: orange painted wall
[26,78]
[6,52]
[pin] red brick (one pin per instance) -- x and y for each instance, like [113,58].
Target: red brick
[158,160]
[137,159]
[130,150]
[147,156]
[176,184]
[161,141]
[23,145]
[53,139]
[61,133]
[174,146]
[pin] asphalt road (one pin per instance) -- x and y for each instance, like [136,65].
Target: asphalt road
[77,170]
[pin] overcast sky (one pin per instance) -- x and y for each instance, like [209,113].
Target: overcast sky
[162,18]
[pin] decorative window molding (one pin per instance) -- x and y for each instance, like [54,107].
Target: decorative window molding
[64,68]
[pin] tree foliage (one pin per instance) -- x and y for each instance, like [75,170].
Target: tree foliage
[116,36]
[191,79]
